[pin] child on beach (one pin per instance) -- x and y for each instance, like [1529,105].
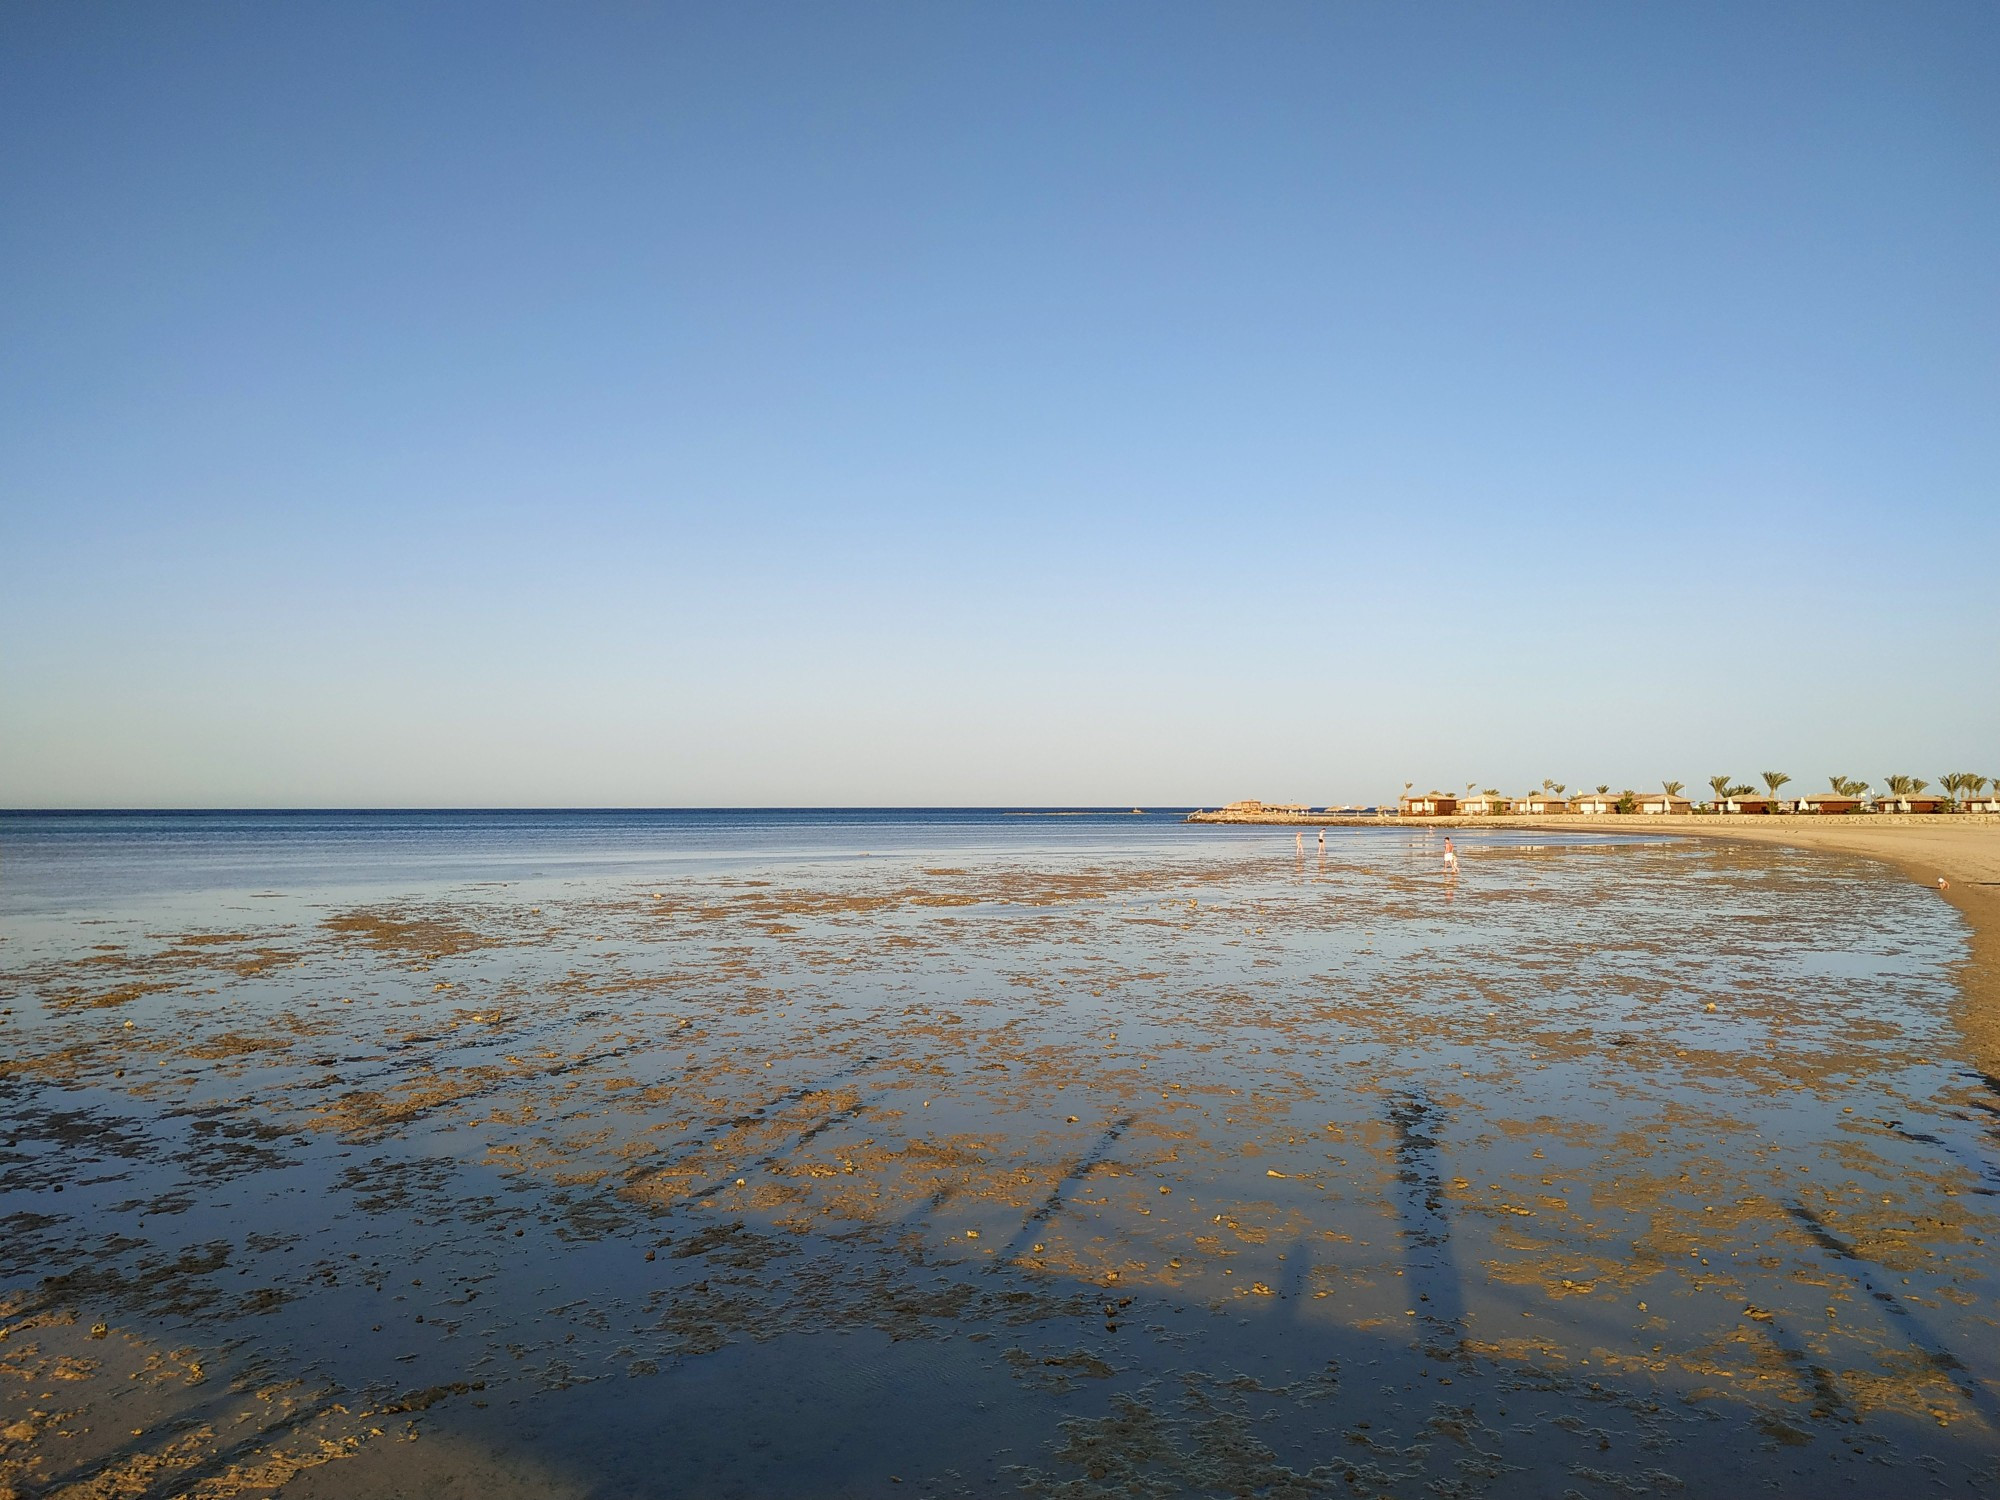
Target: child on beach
[1450,857]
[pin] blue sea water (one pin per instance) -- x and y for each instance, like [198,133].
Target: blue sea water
[68,861]
[62,860]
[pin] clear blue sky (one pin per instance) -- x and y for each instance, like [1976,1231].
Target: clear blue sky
[929,403]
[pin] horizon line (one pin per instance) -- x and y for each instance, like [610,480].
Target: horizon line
[1122,809]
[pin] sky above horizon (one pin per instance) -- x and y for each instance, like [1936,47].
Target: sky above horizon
[901,404]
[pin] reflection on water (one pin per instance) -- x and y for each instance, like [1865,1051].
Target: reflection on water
[1161,1167]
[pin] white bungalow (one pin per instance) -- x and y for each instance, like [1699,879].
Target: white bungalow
[1428,805]
[1660,803]
[1595,803]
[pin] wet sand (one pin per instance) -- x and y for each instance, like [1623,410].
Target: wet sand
[1607,1169]
[1963,851]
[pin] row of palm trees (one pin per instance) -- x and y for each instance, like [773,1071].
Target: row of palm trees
[1958,786]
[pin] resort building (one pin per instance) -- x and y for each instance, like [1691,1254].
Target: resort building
[1541,804]
[1490,804]
[1595,802]
[1663,802]
[1914,803]
[1428,805]
[1748,804]
[1827,802]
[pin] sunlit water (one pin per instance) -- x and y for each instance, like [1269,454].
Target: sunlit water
[856,1154]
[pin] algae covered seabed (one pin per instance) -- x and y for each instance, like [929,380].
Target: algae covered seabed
[1608,1169]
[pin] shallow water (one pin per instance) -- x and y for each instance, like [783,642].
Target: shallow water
[1066,1157]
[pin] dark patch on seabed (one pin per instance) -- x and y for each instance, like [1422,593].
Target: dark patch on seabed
[1422,1205]
[1651,1172]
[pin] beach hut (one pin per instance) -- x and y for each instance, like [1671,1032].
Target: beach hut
[1924,803]
[1428,805]
[1595,803]
[1758,806]
[1541,804]
[1660,803]
[1827,802]
[1484,804]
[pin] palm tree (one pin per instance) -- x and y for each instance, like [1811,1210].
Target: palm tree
[1720,786]
[1774,780]
[1672,788]
[1554,786]
[1844,787]
[1603,787]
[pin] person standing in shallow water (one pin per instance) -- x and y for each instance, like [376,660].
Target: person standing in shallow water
[1450,857]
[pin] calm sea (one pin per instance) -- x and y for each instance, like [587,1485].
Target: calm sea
[67,861]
